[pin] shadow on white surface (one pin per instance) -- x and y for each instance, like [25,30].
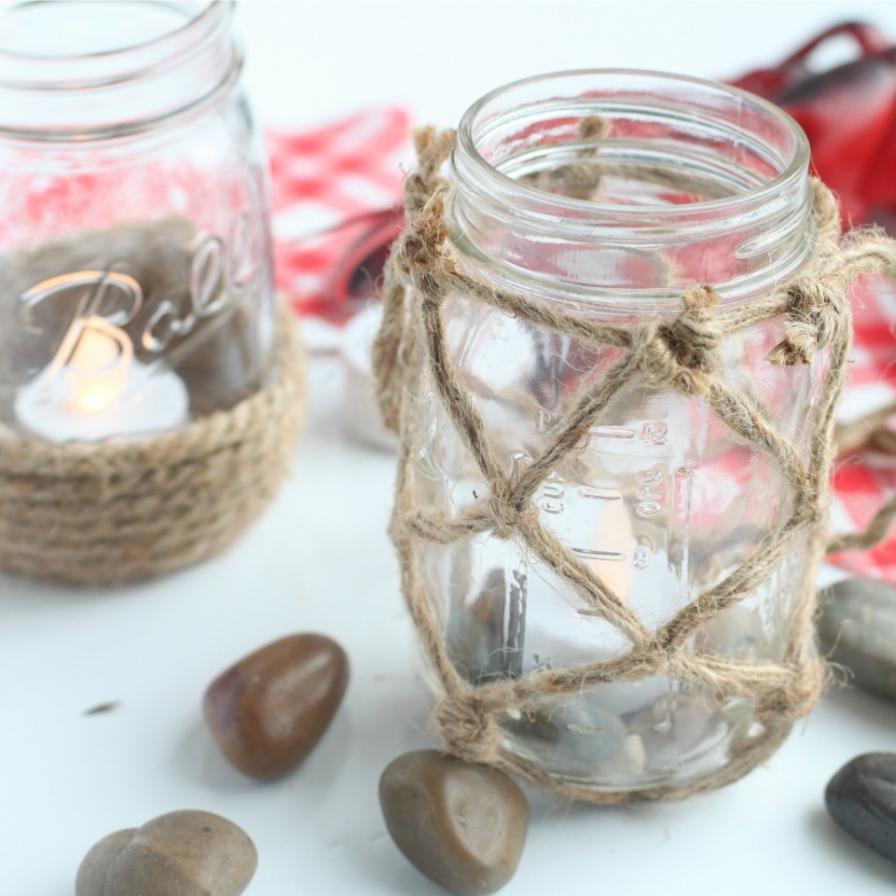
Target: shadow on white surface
[844,848]
[196,759]
[390,872]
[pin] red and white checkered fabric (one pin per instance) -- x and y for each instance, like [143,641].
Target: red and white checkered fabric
[326,180]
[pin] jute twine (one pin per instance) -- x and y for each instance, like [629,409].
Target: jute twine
[682,355]
[111,512]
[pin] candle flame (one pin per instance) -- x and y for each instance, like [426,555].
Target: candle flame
[94,399]
[97,367]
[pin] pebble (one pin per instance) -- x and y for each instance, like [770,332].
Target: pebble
[630,761]
[857,629]
[461,825]
[481,645]
[861,798]
[569,737]
[269,710]
[180,854]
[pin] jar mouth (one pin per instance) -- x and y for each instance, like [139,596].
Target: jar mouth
[486,113]
[630,182]
[82,70]
[194,20]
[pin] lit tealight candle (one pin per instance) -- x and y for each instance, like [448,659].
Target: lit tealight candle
[95,389]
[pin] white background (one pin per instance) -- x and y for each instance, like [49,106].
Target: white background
[319,560]
[311,60]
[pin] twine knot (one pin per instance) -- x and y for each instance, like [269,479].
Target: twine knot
[811,322]
[504,515]
[421,248]
[468,729]
[797,699]
[681,354]
[813,508]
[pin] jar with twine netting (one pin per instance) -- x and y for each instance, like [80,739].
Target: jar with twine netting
[615,331]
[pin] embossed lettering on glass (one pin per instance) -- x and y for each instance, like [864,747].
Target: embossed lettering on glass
[136,280]
[697,183]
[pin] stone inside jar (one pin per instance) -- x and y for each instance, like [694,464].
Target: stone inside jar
[170,289]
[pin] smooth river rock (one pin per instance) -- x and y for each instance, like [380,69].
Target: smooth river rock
[461,825]
[861,798]
[186,853]
[268,711]
[857,629]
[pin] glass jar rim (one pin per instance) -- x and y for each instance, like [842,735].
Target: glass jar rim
[751,201]
[116,87]
[192,23]
[190,32]
[795,167]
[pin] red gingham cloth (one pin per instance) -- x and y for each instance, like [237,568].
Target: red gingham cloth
[331,175]
[324,182]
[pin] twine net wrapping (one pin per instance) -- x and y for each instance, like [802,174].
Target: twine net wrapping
[681,354]
[111,512]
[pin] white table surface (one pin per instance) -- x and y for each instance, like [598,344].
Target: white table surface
[319,561]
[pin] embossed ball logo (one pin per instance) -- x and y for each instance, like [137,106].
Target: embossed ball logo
[111,321]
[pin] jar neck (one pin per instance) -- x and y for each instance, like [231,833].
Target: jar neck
[629,187]
[82,70]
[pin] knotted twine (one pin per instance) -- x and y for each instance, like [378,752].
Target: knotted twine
[680,355]
[116,511]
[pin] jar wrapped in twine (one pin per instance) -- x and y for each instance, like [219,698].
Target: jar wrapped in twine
[150,395]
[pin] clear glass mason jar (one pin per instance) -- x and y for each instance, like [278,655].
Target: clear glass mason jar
[136,276]
[700,183]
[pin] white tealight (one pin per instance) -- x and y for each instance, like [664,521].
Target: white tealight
[95,389]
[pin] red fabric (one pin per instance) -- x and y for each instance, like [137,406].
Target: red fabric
[849,114]
[328,184]
[863,481]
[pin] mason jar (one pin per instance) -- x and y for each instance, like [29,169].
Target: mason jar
[136,281]
[697,183]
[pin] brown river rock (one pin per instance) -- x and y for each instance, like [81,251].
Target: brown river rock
[269,710]
[461,825]
[180,854]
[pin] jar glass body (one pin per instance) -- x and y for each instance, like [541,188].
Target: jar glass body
[136,276]
[698,184]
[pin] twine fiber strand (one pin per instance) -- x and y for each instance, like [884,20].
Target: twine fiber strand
[680,355]
[111,512]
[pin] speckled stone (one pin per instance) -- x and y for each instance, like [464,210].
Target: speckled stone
[861,798]
[461,825]
[269,710]
[857,629]
[185,853]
